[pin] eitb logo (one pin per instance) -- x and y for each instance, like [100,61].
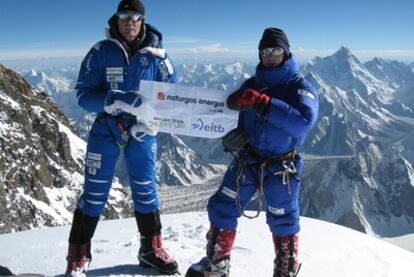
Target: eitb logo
[211,128]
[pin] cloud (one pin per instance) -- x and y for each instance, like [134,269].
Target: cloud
[210,49]
[9,54]
[190,48]
[385,53]
[365,54]
[313,52]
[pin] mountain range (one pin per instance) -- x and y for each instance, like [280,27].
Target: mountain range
[358,158]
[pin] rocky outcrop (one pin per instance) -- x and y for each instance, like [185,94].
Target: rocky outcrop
[41,160]
[369,192]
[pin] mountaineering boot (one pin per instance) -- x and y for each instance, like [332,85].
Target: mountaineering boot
[79,250]
[4,271]
[286,263]
[79,258]
[217,262]
[151,253]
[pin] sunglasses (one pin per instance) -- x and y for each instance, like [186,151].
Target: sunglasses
[276,51]
[134,16]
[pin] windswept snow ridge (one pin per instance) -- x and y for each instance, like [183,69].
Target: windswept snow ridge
[326,249]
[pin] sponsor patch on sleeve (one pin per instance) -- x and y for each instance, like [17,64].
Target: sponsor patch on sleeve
[306,94]
[277,211]
[166,69]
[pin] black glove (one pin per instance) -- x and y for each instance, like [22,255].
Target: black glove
[235,140]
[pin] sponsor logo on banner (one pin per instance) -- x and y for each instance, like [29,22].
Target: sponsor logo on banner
[211,128]
[184,100]
[215,104]
[161,95]
[189,100]
[167,122]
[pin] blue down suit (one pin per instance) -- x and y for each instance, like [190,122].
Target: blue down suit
[107,67]
[292,113]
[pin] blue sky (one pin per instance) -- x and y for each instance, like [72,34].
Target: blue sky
[220,29]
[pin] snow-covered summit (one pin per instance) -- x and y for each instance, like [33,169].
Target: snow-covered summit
[221,76]
[45,83]
[345,56]
[59,83]
[345,71]
[326,249]
[394,73]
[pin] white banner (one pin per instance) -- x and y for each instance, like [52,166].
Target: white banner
[185,110]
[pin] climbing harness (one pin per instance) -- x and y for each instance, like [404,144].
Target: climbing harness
[288,165]
[123,129]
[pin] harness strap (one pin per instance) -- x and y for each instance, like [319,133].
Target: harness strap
[288,168]
[270,159]
[123,129]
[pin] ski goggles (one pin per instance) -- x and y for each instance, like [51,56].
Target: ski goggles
[134,16]
[276,51]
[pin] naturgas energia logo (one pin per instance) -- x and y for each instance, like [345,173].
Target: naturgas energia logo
[161,95]
[188,100]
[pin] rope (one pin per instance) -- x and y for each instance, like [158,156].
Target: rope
[259,189]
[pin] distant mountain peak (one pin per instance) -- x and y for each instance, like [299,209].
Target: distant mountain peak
[345,54]
[33,72]
[378,59]
[34,76]
[344,50]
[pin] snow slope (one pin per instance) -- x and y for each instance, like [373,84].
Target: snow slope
[327,250]
[406,241]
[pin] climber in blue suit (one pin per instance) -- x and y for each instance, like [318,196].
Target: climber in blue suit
[277,110]
[108,84]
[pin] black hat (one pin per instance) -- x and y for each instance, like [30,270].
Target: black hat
[131,5]
[274,37]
